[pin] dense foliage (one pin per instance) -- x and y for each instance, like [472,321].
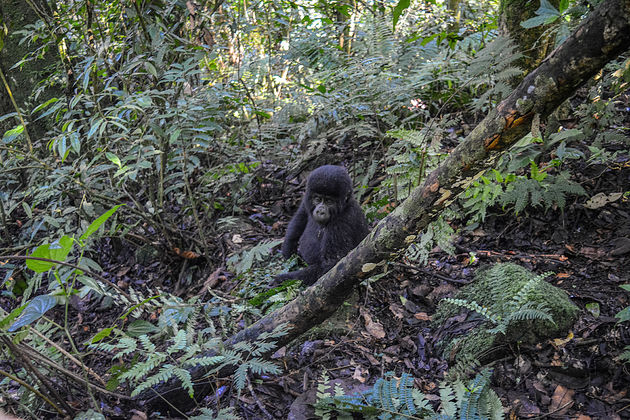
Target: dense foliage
[156,127]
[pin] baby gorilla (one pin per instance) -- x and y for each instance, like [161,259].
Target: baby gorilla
[328,224]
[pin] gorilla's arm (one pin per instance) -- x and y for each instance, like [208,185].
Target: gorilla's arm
[294,232]
[308,275]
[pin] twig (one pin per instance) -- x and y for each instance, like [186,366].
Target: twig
[43,359]
[430,273]
[33,390]
[69,356]
[258,402]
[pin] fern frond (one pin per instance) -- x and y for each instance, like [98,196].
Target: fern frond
[240,376]
[147,344]
[179,342]
[261,366]
[204,361]
[163,374]
[141,369]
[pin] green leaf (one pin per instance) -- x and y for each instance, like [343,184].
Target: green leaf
[593,309]
[60,249]
[105,332]
[536,21]
[33,311]
[398,9]
[89,415]
[98,222]
[13,315]
[623,315]
[564,5]
[12,134]
[547,8]
[141,327]
[94,128]
[75,142]
[86,73]
[40,266]
[625,287]
[113,158]
[150,68]
[44,105]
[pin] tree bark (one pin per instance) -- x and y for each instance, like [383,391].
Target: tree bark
[529,41]
[600,38]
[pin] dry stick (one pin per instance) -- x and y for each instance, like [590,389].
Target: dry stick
[603,35]
[258,402]
[69,356]
[88,272]
[78,378]
[33,390]
[46,383]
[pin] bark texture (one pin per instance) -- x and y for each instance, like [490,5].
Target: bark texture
[530,42]
[602,37]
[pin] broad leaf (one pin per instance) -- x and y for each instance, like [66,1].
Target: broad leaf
[141,327]
[10,135]
[60,249]
[40,266]
[57,251]
[33,311]
[623,315]
[398,9]
[105,332]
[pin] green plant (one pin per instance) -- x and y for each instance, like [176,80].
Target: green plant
[28,325]
[514,304]
[438,233]
[396,398]
[516,192]
[183,351]
[624,316]
[564,18]
[517,308]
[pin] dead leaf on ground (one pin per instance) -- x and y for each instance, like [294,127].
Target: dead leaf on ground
[561,401]
[212,280]
[561,342]
[361,374]
[601,199]
[374,328]
[422,316]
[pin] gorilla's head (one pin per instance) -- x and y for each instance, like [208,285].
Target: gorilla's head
[328,189]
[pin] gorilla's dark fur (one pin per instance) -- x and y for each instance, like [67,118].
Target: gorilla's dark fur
[328,224]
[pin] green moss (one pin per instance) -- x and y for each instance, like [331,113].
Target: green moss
[496,288]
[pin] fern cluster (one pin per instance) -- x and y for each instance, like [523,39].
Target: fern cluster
[516,192]
[438,233]
[514,304]
[396,398]
[186,348]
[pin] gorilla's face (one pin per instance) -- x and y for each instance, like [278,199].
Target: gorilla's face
[323,208]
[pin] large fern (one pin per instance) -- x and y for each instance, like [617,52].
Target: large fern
[396,398]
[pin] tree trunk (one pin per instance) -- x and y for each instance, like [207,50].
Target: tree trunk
[601,37]
[530,42]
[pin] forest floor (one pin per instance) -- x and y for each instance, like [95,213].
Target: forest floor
[386,326]
[574,376]
[568,377]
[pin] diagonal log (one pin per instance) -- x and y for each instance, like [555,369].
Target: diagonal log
[600,38]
